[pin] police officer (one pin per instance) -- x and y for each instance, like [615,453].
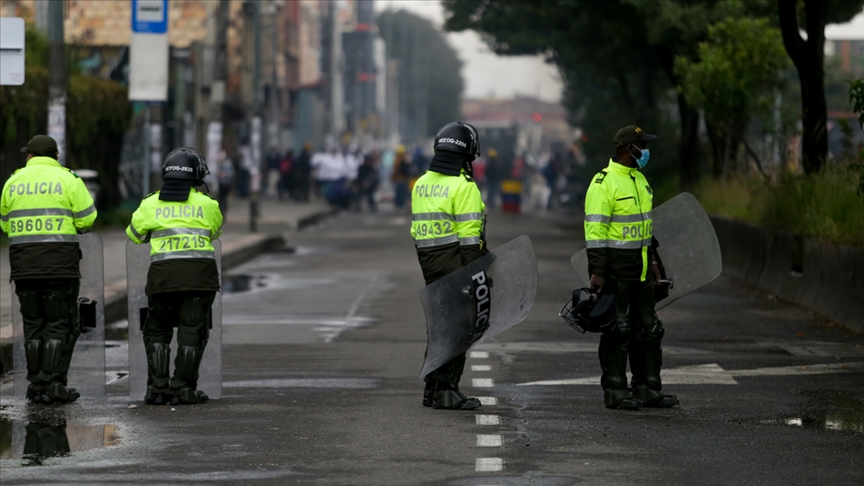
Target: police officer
[447,228]
[621,260]
[180,223]
[44,206]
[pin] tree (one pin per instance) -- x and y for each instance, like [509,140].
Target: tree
[619,51]
[733,80]
[809,58]
[429,72]
[98,114]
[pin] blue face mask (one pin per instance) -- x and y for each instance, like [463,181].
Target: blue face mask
[642,161]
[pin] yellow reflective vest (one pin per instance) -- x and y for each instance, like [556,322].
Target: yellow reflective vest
[618,225]
[446,210]
[45,202]
[177,229]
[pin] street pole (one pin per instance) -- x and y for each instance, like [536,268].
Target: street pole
[257,132]
[57,78]
[145,172]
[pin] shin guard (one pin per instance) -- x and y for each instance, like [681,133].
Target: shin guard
[186,368]
[33,352]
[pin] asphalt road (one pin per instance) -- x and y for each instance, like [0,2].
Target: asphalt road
[320,371]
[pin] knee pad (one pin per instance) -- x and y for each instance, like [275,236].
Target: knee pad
[655,333]
[31,304]
[622,332]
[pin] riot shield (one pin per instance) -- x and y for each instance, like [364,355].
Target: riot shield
[87,369]
[688,247]
[210,371]
[478,301]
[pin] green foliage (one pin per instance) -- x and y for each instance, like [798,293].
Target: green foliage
[856,99]
[430,79]
[822,205]
[737,70]
[97,116]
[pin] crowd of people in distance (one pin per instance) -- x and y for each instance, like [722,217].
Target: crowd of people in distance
[349,177]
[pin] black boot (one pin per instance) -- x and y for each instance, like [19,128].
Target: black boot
[649,391]
[52,373]
[158,379]
[613,362]
[185,379]
[428,393]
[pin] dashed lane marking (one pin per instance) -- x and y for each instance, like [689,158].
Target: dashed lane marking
[482,382]
[488,400]
[489,440]
[481,368]
[479,354]
[489,464]
[488,419]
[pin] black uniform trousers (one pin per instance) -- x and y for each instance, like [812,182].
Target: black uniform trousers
[637,333]
[188,311]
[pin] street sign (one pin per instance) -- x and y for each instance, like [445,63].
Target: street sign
[148,51]
[150,16]
[11,51]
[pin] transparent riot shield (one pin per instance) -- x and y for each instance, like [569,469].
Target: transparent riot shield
[210,372]
[87,369]
[478,301]
[688,247]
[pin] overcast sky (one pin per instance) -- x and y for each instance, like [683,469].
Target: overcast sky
[485,73]
[506,76]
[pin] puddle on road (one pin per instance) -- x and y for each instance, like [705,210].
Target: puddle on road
[233,284]
[837,411]
[828,422]
[49,435]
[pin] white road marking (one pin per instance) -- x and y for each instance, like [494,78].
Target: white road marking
[713,374]
[489,464]
[482,382]
[488,419]
[481,368]
[478,354]
[488,400]
[489,440]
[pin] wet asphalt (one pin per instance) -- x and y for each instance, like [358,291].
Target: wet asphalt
[323,343]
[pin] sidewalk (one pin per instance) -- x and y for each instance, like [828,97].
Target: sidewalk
[238,245]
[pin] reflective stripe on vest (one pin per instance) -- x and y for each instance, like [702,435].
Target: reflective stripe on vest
[17,240]
[171,255]
[174,243]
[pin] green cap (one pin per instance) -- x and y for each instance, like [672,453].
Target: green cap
[630,134]
[42,145]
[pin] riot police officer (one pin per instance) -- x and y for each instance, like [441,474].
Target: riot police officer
[180,223]
[447,228]
[44,206]
[621,260]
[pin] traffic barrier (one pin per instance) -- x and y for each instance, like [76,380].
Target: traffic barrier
[825,278]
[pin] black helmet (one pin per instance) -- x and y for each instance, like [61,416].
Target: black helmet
[588,311]
[185,164]
[459,138]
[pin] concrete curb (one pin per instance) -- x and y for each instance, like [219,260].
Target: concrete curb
[827,279]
